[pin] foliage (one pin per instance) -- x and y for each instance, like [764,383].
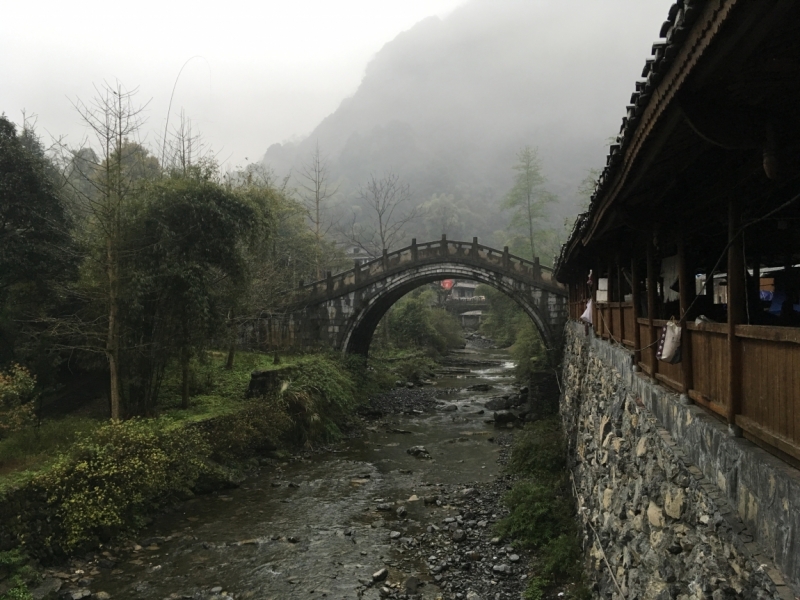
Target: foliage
[108,479]
[16,400]
[35,243]
[189,233]
[542,516]
[528,199]
[539,450]
[415,322]
[528,351]
[504,317]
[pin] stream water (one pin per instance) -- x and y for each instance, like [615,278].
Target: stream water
[311,528]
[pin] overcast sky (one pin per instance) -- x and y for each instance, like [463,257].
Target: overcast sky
[264,71]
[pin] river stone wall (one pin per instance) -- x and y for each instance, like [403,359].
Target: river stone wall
[672,506]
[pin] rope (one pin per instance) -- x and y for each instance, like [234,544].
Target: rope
[611,335]
[597,537]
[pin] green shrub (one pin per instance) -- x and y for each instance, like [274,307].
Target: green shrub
[542,510]
[14,568]
[109,479]
[256,428]
[528,350]
[319,400]
[539,450]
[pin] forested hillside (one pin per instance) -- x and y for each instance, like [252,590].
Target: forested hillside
[448,105]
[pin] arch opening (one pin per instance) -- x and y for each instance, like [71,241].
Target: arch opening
[358,336]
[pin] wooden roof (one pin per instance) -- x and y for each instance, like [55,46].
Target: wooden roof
[716,116]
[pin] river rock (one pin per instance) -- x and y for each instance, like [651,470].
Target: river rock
[473,596]
[394,535]
[480,387]
[75,594]
[501,568]
[418,452]
[497,404]
[412,584]
[380,574]
[449,408]
[49,586]
[459,535]
[101,596]
[503,417]
[401,512]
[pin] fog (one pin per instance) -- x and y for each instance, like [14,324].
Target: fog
[449,103]
[443,93]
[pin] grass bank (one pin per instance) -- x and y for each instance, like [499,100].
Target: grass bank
[542,517]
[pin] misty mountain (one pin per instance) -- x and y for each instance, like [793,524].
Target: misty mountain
[448,104]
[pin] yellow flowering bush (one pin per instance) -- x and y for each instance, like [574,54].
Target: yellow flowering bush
[110,478]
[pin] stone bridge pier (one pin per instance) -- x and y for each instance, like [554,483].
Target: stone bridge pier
[343,310]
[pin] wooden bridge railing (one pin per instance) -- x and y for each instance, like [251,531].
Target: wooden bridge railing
[769,378]
[429,252]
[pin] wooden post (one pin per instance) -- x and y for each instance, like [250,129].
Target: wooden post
[329,278]
[357,271]
[506,259]
[385,259]
[608,327]
[620,299]
[475,248]
[736,308]
[756,293]
[687,293]
[651,307]
[414,249]
[637,338]
[444,244]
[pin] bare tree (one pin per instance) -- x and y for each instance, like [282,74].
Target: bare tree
[316,193]
[385,202]
[107,181]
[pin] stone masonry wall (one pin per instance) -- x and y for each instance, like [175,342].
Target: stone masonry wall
[657,526]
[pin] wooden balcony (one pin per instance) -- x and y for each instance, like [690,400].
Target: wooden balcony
[768,380]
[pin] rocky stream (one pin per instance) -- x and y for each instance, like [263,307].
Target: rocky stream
[404,511]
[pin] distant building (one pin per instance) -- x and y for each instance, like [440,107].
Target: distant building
[463,290]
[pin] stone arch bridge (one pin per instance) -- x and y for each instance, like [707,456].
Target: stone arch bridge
[343,310]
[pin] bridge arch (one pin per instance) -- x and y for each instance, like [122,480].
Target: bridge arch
[358,334]
[343,310]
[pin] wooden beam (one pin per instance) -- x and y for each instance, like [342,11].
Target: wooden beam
[651,305]
[687,294]
[736,310]
[637,338]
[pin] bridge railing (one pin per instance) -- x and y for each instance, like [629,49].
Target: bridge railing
[427,252]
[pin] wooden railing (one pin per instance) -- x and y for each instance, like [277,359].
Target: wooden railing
[436,252]
[615,321]
[769,411]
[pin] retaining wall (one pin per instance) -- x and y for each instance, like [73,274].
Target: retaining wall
[673,506]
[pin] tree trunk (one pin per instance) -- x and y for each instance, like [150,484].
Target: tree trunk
[112,339]
[231,355]
[185,377]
